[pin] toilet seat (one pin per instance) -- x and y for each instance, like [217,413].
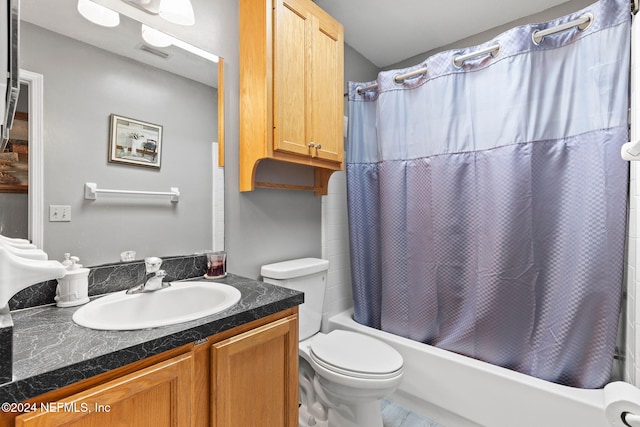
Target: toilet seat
[356,355]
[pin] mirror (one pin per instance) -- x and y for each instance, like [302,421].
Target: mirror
[90,73]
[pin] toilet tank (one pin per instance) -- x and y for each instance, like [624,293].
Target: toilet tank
[308,275]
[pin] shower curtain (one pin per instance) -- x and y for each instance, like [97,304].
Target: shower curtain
[487,202]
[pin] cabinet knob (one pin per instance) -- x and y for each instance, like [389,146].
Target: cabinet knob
[318,147]
[311,145]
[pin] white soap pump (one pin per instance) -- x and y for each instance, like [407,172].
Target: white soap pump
[67,260]
[73,288]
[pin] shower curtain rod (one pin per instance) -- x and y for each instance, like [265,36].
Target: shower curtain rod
[582,23]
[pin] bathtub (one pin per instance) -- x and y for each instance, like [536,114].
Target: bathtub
[458,391]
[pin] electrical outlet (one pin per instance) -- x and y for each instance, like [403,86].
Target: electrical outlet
[59,213]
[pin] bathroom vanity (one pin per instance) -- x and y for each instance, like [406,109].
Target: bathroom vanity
[235,368]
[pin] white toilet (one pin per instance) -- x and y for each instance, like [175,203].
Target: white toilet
[342,374]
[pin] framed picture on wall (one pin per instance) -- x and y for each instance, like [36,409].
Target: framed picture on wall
[134,142]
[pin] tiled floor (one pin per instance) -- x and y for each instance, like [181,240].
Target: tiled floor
[397,416]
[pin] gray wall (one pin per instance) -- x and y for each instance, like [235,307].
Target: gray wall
[265,225]
[83,85]
[14,210]
[357,68]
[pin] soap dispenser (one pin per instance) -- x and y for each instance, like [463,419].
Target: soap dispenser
[67,260]
[73,288]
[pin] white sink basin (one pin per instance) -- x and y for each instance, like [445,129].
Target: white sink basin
[182,302]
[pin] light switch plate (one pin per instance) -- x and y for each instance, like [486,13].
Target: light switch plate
[59,213]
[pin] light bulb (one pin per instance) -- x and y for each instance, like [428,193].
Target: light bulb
[156,38]
[98,14]
[177,11]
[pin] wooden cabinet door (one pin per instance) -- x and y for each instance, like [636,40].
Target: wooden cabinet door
[157,396]
[292,45]
[326,103]
[308,81]
[255,377]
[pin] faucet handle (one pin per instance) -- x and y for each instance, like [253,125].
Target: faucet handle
[152,264]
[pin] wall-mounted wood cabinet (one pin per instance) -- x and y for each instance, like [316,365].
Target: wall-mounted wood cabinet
[291,88]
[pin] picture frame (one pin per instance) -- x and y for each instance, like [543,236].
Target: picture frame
[134,142]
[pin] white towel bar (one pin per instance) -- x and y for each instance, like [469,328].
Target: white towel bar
[91,191]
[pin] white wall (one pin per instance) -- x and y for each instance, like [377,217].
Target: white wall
[630,325]
[218,202]
[335,247]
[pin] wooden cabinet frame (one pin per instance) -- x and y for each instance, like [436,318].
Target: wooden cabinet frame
[291,84]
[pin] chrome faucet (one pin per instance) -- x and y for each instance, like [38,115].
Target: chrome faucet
[154,279]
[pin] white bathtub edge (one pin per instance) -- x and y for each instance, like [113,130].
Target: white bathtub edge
[483,393]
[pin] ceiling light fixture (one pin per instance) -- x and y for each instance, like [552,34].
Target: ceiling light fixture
[175,11]
[159,39]
[98,14]
[196,50]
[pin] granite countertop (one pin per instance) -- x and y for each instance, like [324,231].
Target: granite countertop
[50,351]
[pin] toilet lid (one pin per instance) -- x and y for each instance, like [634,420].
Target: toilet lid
[355,354]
